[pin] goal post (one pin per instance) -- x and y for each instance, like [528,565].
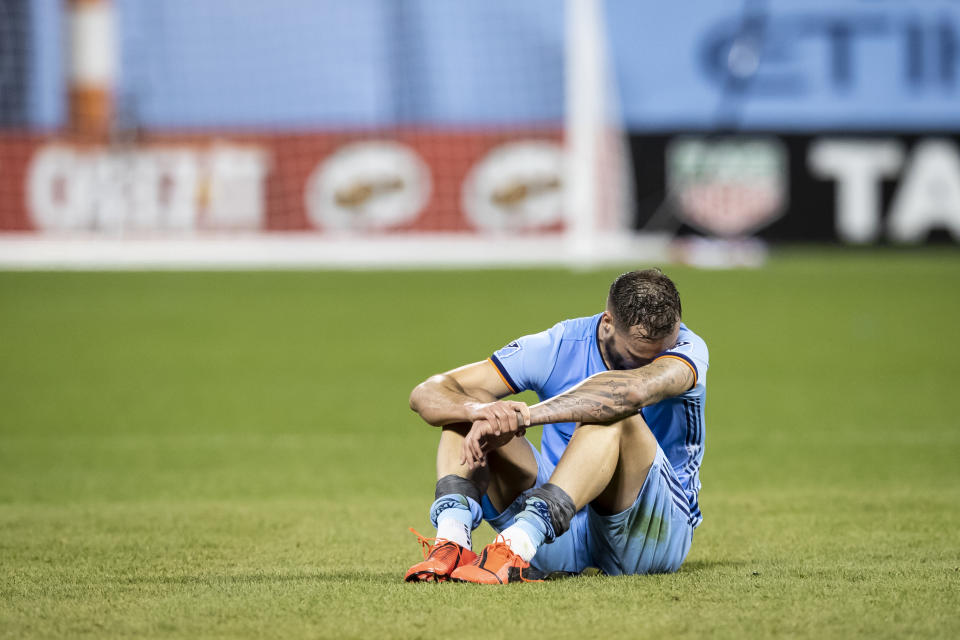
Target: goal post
[583,125]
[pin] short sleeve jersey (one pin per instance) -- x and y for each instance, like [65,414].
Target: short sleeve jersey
[553,361]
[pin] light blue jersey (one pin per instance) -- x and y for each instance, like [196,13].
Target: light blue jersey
[553,361]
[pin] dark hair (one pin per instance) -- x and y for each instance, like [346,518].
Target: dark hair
[646,298]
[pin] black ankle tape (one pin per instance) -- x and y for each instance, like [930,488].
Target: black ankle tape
[562,508]
[455,484]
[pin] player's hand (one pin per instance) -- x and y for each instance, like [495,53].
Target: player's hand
[481,439]
[473,453]
[504,416]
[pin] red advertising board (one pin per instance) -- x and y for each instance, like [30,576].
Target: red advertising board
[337,183]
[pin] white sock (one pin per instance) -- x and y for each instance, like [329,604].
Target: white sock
[455,525]
[519,542]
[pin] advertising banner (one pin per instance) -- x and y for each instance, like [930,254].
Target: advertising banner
[788,65]
[856,189]
[333,183]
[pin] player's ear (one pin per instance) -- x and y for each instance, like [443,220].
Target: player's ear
[606,324]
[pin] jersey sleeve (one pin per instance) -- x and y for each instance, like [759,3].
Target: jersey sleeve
[692,350]
[526,363]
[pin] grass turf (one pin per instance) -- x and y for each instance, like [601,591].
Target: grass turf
[230,454]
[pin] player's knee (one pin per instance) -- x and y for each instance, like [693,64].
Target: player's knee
[600,433]
[630,428]
[634,432]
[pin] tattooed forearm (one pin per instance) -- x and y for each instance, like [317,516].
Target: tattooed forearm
[606,397]
[614,395]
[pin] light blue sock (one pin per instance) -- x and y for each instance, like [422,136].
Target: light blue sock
[456,516]
[532,523]
[529,530]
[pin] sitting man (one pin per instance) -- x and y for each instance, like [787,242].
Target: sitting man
[616,481]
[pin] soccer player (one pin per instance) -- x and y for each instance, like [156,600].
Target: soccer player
[616,481]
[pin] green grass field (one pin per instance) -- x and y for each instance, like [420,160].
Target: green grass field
[231,454]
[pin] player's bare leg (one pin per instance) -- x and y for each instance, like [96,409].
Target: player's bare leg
[604,464]
[510,470]
[448,456]
[618,456]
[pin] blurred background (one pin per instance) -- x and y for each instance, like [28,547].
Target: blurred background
[187,454]
[423,131]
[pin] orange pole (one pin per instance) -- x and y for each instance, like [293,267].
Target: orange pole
[93,66]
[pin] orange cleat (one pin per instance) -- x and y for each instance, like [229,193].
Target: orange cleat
[497,564]
[439,560]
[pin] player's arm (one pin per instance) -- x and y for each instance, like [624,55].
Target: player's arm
[469,394]
[602,398]
[613,395]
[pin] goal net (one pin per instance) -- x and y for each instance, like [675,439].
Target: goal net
[312,132]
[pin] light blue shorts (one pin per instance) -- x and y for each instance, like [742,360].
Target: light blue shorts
[652,536]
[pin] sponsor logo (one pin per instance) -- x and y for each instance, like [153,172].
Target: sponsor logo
[812,50]
[926,198]
[728,186]
[516,186]
[147,189]
[368,185]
